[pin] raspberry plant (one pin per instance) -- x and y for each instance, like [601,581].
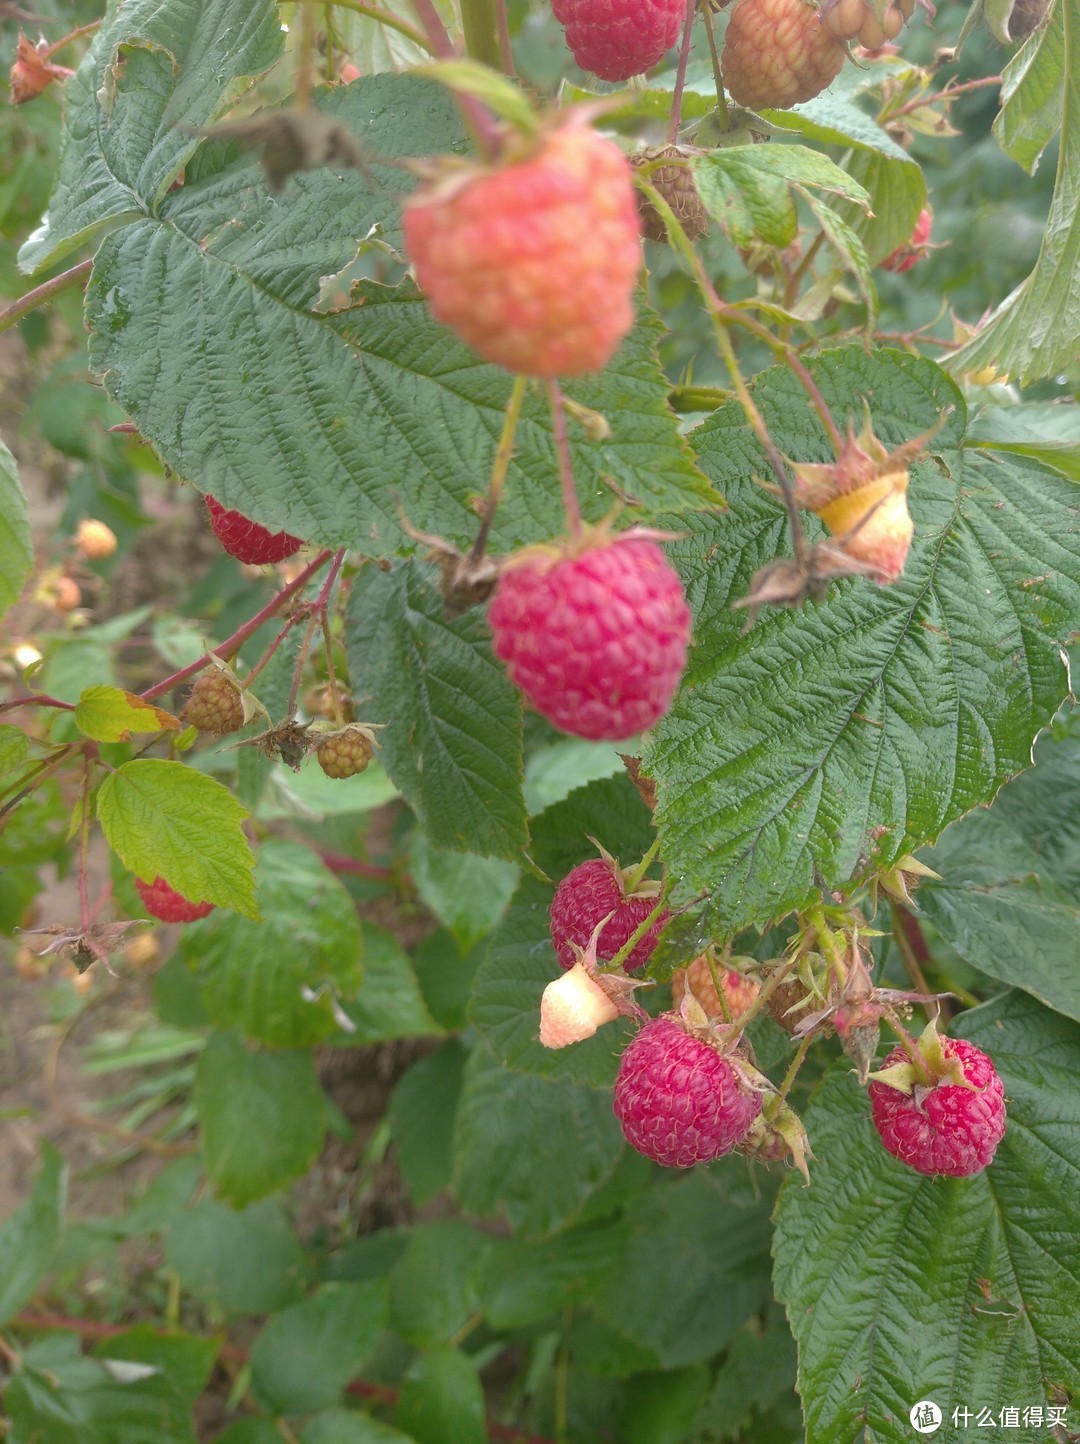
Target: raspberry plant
[673,469]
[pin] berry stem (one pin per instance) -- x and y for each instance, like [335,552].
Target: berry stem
[84,847]
[384,17]
[714,55]
[45,292]
[506,52]
[636,936]
[946,94]
[911,1048]
[305,58]
[631,879]
[680,75]
[795,1065]
[240,636]
[76,34]
[826,942]
[501,465]
[718,987]
[481,32]
[32,780]
[566,471]
[37,699]
[768,987]
[910,943]
[479,121]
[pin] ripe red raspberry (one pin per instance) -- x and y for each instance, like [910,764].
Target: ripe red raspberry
[596,638]
[533,263]
[679,1101]
[162,901]
[906,256]
[619,38]
[246,540]
[947,1128]
[588,893]
[215,704]
[675,182]
[778,53]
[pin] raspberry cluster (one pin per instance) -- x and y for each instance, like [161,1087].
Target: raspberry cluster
[167,905]
[246,540]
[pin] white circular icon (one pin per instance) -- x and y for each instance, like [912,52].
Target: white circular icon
[925,1417]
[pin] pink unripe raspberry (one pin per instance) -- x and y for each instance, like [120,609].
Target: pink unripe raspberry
[596,638]
[778,53]
[947,1128]
[246,540]
[533,262]
[165,903]
[586,895]
[679,1101]
[739,990]
[616,39]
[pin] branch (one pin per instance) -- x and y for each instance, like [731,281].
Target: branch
[45,292]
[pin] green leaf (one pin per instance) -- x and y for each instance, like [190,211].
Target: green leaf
[306,1354]
[323,420]
[347,1426]
[526,1282]
[442,1399]
[836,119]
[279,980]
[759,1368]
[457,1256]
[1007,900]
[900,1287]
[541,1187]
[14,749]
[844,735]
[661,1407]
[469,77]
[262,1116]
[453,743]
[1033,332]
[108,714]
[310,793]
[897,190]
[748,187]
[705,1237]
[140,1385]
[848,245]
[165,819]
[1047,431]
[1033,91]
[468,894]
[421,1116]
[390,1003]
[30,1237]
[152,74]
[558,768]
[245,1261]
[16,549]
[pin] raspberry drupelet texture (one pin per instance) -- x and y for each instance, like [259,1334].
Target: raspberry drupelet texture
[778,53]
[246,540]
[167,905]
[948,1128]
[616,39]
[215,704]
[534,263]
[585,895]
[906,256]
[596,639]
[678,1100]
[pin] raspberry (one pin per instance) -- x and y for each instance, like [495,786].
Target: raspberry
[162,901]
[572,1008]
[906,256]
[675,182]
[739,990]
[588,893]
[246,540]
[595,638]
[533,263]
[679,1101]
[345,753]
[215,704]
[778,53]
[947,1128]
[619,38]
[95,540]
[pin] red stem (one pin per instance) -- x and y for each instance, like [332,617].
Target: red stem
[240,636]
[37,699]
[18,309]
[481,123]
[680,77]
[338,862]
